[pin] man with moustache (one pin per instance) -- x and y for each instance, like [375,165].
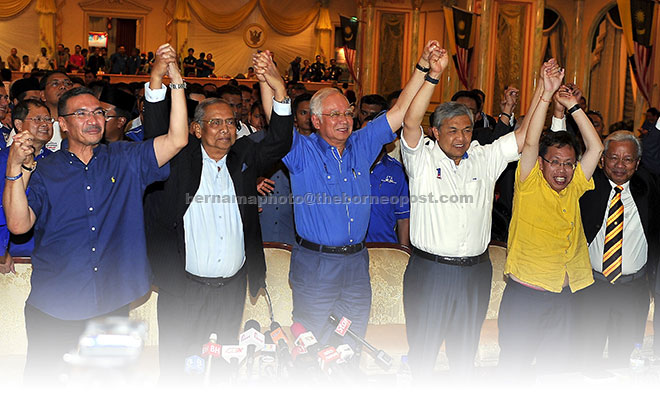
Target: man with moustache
[89,258]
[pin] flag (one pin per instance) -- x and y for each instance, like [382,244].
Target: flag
[637,19]
[461,26]
[349,30]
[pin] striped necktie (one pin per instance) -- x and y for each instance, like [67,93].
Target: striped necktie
[612,252]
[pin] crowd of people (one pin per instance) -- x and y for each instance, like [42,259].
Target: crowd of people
[111,188]
[96,59]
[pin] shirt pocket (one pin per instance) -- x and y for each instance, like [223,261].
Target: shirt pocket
[475,194]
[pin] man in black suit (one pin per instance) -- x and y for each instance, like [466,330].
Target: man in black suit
[203,234]
[615,308]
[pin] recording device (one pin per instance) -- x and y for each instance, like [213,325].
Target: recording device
[343,327]
[268,358]
[305,338]
[252,340]
[209,351]
[194,365]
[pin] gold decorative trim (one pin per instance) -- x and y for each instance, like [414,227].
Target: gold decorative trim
[254,35]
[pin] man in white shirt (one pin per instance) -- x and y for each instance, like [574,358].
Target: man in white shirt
[446,286]
[53,85]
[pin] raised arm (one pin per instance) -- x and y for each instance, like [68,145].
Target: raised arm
[438,61]
[262,62]
[20,217]
[552,76]
[167,146]
[396,114]
[569,97]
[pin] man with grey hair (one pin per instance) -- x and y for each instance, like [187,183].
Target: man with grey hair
[446,286]
[329,171]
[622,227]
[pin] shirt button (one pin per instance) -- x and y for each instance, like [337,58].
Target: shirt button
[345,179]
[93,249]
[328,176]
[93,228]
[222,238]
[563,210]
[86,168]
[91,209]
[96,269]
[350,240]
[89,187]
[351,219]
[70,163]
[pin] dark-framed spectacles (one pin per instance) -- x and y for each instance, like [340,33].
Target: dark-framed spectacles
[41,120]
[566,165]
[84,114]
[217,122]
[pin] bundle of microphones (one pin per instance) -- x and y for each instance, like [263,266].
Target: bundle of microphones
[270,357]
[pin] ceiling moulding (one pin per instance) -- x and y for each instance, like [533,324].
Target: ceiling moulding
[115,7]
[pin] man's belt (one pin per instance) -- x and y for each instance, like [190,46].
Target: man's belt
[215,281]
[641,273]
[345,250]
[464,261]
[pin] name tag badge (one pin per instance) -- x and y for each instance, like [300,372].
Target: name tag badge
[439,173]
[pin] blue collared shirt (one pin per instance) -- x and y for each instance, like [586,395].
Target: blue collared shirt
[389,190]
[276,216]
[332,191]
[23,248]
[90,249]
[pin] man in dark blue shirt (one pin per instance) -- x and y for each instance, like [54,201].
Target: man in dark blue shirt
[118,61]
[85,203]
[329,172]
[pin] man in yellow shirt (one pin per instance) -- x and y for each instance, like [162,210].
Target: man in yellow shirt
[548,257]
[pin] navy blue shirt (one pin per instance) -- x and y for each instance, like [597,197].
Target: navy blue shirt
[331,191]
[90,252]
[24,248]
[389,190]
[276,216]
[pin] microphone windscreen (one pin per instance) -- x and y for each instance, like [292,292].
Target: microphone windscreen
[274,326]
[252,324]
[297,329]
[268,338]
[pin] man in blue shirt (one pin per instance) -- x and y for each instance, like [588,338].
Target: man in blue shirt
[33,116]
[329,172]
[85,203]
[390,208]
[4,108]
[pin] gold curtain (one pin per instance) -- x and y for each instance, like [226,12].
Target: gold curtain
[552,40]
[181,19]
[324,33]
[46,10]
[288,24]
[609,63]
[10,8]
[219,23]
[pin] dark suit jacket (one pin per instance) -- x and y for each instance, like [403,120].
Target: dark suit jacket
[166,202]
[594,205]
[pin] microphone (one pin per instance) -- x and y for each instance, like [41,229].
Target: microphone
[346,353]
[210,350]
[343,327]
[328,356]
[305,338]
[283,355]
[234,355]
[268,358]
[253,340]
[194,365]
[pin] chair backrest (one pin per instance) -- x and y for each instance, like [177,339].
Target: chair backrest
[387,264]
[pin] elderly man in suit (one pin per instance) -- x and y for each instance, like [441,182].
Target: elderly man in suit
[203,234]
[622,225]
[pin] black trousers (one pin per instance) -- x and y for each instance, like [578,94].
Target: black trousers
[186,319]
[614,314]
[535,325]
[444,303]
[49,338]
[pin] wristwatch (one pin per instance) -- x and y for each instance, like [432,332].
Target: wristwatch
[175,86]
[31,168]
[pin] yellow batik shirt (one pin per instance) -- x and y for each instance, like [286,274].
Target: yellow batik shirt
[546,238]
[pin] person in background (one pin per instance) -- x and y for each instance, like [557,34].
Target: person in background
[189,63]
[13,62]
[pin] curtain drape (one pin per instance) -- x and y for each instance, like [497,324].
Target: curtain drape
[323,28]
[46,10]
[10,8]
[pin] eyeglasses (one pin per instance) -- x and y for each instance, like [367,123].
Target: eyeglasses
[40,120]
[336,114]
[555,164]
[627,161]
[57,83]
[217,122]
[84,114]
